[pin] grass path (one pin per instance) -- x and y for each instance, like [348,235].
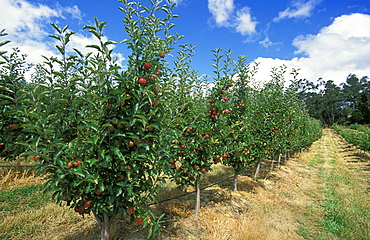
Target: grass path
[345,197]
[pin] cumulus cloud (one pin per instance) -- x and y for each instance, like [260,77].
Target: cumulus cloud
[332,54]
[221,11]
[244,23]
[225,15]
[25,24]
[299,9]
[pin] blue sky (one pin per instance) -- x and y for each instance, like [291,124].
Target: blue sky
[324,38]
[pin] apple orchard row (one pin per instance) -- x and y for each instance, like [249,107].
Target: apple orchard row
[105,135]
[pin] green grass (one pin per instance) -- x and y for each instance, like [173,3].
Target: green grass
[17,199]
[346,216]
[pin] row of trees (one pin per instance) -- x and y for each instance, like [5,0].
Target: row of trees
[347,103]
[107,137]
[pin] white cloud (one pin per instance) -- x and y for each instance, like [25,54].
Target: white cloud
[336,51]
[27,25]
[221,11]
[268,44]
[244,22]
[224,14]
[299,10]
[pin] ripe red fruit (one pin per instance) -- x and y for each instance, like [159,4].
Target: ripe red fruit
[227,111]
[131,144]
[231,84]
[14,126]
[196,167]
[206,136]
[226,98]
[158,73]
[142,81]
[139,220]
[70,165]
[162,55]
[203,170]
[147,66]
[36,158]
[97,191]
[130,210]
[182,146]
[79,209]
[211,101]
[212,116]
[224,155]
[222,91]
[87,204]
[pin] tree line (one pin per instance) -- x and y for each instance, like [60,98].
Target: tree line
[346,103]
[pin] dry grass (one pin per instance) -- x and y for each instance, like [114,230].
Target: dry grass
[284,204]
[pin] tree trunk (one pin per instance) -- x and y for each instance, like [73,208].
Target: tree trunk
[235,183]
[104,222]
[197,201]
[279,159]
[257,170]
[272,164]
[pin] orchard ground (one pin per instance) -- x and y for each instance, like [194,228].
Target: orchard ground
[322,193]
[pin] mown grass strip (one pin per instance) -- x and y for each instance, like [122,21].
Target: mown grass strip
[346,210]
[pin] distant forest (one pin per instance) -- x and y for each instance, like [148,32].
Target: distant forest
[347,103]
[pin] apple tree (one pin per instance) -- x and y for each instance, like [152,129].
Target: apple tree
[96,126]
[12,70]
[189,143]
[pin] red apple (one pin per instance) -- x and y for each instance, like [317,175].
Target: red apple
[14,126]
[139,220]
[130,210]
[147,66]
[142,81]
[97,191]
[87,204]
